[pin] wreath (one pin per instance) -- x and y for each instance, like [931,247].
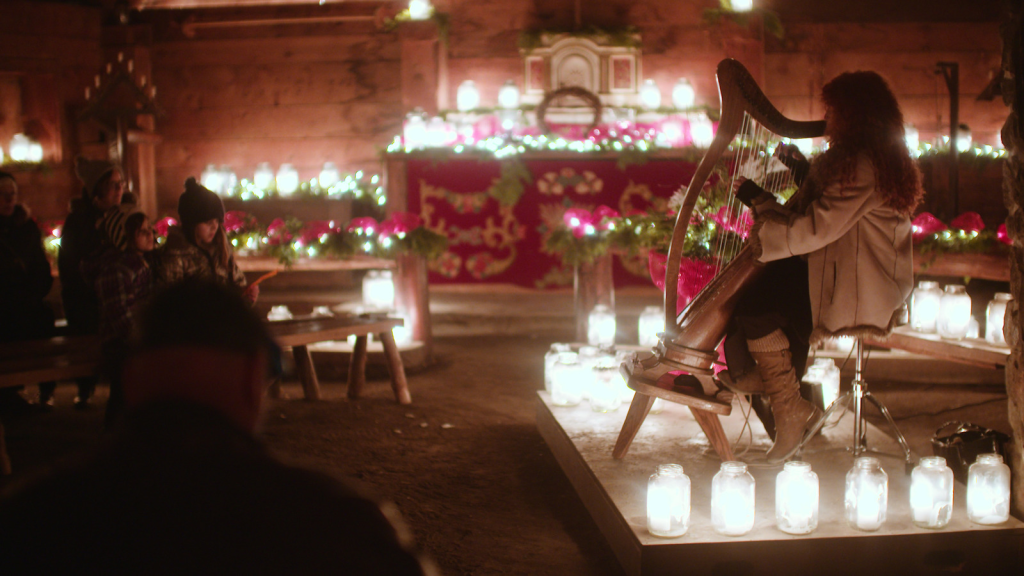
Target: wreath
[582,93]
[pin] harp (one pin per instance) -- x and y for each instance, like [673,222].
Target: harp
[690,340]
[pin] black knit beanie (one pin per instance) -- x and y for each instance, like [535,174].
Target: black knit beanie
[198,204]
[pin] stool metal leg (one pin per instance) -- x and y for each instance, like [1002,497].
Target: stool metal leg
[855,397]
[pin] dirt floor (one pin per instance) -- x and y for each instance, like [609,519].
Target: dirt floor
[464,462]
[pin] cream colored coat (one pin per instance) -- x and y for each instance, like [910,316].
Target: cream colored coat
[859,251]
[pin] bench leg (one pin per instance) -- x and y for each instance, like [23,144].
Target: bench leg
[357,368]
[274,390]
[307,372]
[712,428]
[395,367]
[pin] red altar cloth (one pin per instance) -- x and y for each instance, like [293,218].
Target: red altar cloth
[493,242]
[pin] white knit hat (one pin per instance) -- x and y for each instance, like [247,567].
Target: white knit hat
[113,221]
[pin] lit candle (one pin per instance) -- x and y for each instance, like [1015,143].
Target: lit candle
[931,492]
[732,500]
[924,306]
[652,321]
[994,315]
[668,501]
[954,312]
[601,326]
[796,498]
[866,499]
[988,490]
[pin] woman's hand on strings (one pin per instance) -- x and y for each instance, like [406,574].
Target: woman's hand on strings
[789,155]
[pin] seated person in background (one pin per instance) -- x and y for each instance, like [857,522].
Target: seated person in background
[25,280]
[200,247]
[184,487]
[122,279]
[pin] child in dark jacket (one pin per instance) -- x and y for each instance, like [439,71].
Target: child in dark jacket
[199,248]
[122,278]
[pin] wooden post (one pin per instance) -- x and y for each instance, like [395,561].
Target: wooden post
[398,383]
[357,368]
[412,297]
[592,285]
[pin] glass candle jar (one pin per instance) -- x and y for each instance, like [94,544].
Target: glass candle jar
[567,381]
[994,315]
[988,490]
[601,326]
[796,498]
[931,492]
[606,386]
[280,312]
[924,307]
[550,357]
[378,290]
[867,494]
[652,321]
[954,313]
[668,501]
[732,500]
[824,373]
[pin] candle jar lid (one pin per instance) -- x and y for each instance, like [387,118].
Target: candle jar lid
[733,467]
[867,463]
[989,459]
[955,289]
[927,284]
[797,466]
[1001,297]
[670,470]
[933,462]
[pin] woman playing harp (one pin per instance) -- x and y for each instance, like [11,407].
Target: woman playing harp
[839,258]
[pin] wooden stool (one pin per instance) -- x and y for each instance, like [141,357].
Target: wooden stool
[299,333]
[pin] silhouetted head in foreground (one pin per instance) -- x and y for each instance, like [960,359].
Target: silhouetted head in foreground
[200,342]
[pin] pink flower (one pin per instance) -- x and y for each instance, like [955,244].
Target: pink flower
[925,225]
[579,221]
[163,224]
[693,276]
[313,230]
[366,224]
[277,233]
[235,221]
[732,223]
[968,222]
[399,223]
[1003,236]
[602,212]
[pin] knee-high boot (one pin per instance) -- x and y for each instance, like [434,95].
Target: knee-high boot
[794,416]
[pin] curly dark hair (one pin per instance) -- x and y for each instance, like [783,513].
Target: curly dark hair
[862,115]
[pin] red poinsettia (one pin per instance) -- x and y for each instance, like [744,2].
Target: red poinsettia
[1003,236]
[925,225]
[236,221]
[277,233]
[693,276]
[601,213]
[968,222]
[400,223]
[365,224]
[579,221]
[313,230]
[737,224]
[162,225]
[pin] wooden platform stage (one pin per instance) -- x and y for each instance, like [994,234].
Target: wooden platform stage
[614,491]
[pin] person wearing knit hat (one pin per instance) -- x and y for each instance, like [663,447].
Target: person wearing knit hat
[81,239]
[199,248]
[122,278]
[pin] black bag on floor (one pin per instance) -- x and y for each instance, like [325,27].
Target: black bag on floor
[962,446]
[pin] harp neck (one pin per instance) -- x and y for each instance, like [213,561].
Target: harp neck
[739,94]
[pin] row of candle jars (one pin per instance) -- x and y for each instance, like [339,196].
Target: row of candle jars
[948,312]
[601,326]
[592,374]
[796,496]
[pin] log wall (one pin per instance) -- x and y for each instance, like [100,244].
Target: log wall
[54,50]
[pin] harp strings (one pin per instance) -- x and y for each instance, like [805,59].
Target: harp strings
[753,158]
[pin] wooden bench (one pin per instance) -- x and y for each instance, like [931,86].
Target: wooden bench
[60,358]
[972,351]
[301,332]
